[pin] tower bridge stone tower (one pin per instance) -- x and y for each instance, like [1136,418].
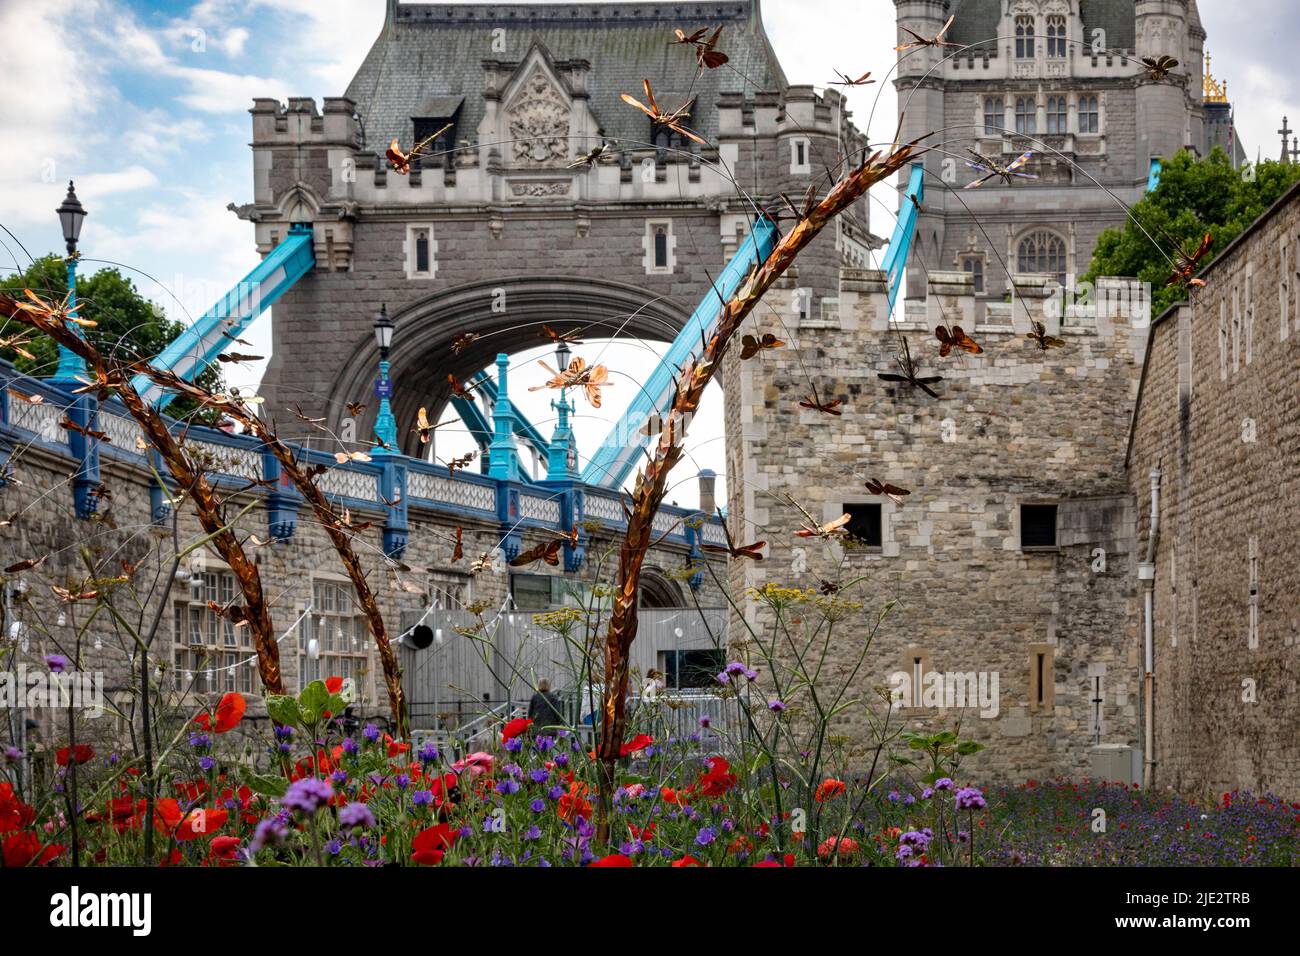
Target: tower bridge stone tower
[499,232]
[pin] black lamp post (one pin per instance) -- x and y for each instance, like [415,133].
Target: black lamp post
[71,215]
[385,424]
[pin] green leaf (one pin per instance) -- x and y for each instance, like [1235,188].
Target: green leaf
[267,785]
[968,747]
[284,710]
[313,700]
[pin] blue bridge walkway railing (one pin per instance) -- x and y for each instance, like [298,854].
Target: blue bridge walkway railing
[391,488]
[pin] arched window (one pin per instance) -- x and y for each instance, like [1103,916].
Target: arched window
[1026,115]
[1056,36]
[1024,38]
[995,115]
[1089,115]
[1042,253]
[1057,115]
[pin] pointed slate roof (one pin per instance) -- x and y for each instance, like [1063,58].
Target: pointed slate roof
[431,52]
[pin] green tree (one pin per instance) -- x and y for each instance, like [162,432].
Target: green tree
[1194,197]
[127,326]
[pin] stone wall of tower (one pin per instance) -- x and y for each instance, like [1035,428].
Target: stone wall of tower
[1012,426]
[1163,121]
[1217,417]
[1085,178]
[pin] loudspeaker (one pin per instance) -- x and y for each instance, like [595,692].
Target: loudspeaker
[419,637]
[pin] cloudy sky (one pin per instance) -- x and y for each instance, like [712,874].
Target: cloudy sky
[144,103]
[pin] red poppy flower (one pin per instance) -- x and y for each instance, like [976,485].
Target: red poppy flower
[334,684]
[200,822]
[514,728]
[394,748]
[84,752]
[644,834]
[572,804]
[24,849]
[224,847]
[430,844]
[614,859]
[717,781]
[828,788]
[229,712]
[686,861]
[14,814]
[829,846]
[786,862]
[639,742]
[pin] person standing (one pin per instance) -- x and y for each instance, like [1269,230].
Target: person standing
[544,708]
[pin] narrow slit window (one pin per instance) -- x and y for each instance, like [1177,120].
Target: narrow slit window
[421,252]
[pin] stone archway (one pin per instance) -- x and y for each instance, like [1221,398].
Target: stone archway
[422,354]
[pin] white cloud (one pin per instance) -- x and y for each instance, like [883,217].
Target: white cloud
[124,180]
[52,89]
[232,41]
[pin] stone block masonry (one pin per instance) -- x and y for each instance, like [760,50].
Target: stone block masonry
[1217,417]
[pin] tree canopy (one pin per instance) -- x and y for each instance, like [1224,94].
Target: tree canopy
[127,326]
[1194,197]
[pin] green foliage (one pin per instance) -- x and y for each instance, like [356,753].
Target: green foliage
[1194,197]
[128,325]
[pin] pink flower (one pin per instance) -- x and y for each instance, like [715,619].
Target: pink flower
[474,764]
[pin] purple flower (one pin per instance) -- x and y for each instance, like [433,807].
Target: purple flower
[775,706]
[200,741]
[371,733]
[270,832]
[969,798]
[927,793]
[555,792]
[422,798]
[514,745]
[507,786]
[540,775]
[334,847]
[706,836]
[538,805]
[705,720]
[307,795]
[544,743]
[428,753]
[282,732]
[533,833]
[943,783]
[206,764]
[349,746]
[57,663]
[916,838]
[339,778]
[356,815]
[894,796]
[13,754]
[402,781]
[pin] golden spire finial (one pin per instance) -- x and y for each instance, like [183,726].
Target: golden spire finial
[1211,91]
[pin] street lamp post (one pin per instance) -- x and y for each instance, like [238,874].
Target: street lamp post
[385,424]
[71,373]
[562,464]
[72,368]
